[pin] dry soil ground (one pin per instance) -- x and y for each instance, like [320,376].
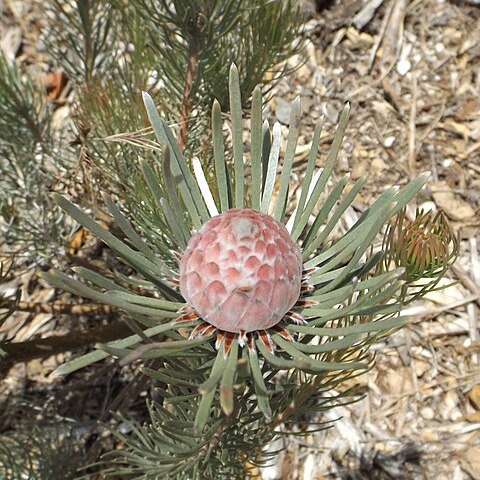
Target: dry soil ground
[411,71]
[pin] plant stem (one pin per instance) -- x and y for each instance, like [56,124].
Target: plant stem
[190,74]
[59,308]
[45,347]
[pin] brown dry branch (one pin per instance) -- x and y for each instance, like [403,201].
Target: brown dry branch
[60,308]
[187,94]
[393,36]
[45,347]
[412,130]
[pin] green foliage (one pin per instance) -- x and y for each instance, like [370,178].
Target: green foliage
[179,51]
[202,38]
[110,52]
[40,450]
[215,406]
[168,446]
[219,407]
[30,165]
[425,247]
[8,303]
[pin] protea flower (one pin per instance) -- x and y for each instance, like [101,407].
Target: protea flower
[241,272]
[270,289]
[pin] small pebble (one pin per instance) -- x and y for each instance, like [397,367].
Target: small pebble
[389,141]
[427,413]
[403,67]
[447,162]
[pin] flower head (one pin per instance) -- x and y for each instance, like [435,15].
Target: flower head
[241,271]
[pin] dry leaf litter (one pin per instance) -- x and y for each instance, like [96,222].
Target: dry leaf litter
[411,70]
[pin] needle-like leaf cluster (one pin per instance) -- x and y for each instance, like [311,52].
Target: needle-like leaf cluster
[30,166]
[41,447]
[212,399]
[180,52]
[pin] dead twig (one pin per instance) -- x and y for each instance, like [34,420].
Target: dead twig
[466,281]
[45,347]
[471,310]
[393,36]
[59,308]
[379,39]
[366,13]
[412,154]
[420,316]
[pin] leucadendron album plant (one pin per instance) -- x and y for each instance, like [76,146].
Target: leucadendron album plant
[255,313]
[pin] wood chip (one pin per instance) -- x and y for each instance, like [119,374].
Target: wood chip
[454,206]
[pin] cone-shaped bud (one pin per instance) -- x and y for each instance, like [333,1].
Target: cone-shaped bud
[425,247]
[241,271]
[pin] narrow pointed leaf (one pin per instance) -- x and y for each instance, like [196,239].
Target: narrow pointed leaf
[204,188]
[259,385]
[207,389]
[136,259]
[323,213]
[405,194]
[368,298]
[161,209]
[277,362]
[98,355]
[186,183]
[228,378]
[266,147]
[112,298]
[256,147]
[327,170]
[307,179]
[355,237]
[174,201]
[97,279]
[165,349]
[128,230]
[237,136]
[316,176]
[219,158]
[292,140]
[176,235]
[272,168]
[330,346]
[360,328]
[335,218]
[313,364]
[168,379]
[152,302]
